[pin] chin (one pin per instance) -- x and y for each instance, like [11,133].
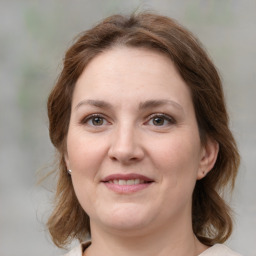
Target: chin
[126,218]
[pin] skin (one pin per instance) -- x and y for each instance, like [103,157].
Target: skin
[129,134]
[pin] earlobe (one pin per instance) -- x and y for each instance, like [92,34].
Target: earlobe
[208,157]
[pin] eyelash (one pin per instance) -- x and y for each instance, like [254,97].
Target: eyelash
[165,117]
[90,118]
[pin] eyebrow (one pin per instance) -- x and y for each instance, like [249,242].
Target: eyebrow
[143,105]
[159,103]
[96,103]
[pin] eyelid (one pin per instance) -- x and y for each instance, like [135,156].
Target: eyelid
[169,118]
[89,117]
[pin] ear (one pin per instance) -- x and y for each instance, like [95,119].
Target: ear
[209,155]
[67,161]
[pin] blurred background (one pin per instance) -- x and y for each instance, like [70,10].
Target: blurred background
[34,36]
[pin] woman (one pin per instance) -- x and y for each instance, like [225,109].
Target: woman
[139,120]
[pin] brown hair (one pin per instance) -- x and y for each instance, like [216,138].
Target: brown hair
[211,216]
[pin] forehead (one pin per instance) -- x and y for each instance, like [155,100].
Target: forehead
[124,60]
[131,73]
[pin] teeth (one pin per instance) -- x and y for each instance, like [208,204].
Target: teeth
[122,182]
[127,182]
[130,182]
[137,181]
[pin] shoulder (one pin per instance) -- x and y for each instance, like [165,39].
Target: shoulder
[219,250]
[78,251]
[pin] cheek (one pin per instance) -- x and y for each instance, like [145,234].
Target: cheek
[85,156]
[84,153]
[178,158]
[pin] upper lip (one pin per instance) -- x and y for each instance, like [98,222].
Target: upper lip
[130,176]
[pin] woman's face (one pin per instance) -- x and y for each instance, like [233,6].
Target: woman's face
[133,143]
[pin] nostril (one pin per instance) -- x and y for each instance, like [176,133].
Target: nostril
[125,150]
[124,158]
[113,158]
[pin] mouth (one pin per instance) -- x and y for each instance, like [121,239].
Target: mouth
[127,183]
[127,179]
[123,182]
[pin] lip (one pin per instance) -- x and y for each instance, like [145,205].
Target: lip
[126,189]
[129,176]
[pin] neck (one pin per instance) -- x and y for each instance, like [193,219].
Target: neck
[178,240]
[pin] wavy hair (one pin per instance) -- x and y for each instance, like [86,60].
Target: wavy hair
[211,215]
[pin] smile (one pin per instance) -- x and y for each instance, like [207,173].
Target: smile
[127,183]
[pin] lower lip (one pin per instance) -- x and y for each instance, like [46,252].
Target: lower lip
[126,189]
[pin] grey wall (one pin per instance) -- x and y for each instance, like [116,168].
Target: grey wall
[33,37]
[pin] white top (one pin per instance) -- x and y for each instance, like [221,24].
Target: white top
[216,250]
[219,250]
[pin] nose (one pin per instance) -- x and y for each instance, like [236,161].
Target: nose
[126,146]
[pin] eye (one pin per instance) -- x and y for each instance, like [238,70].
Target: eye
[95,120]
[160,120]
